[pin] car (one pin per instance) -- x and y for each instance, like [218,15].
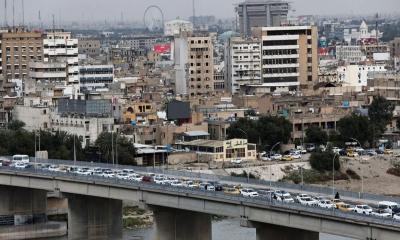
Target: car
[248,192]
[296,156]
[379,151]
[231,191]
[5,163]
[326,204]
[135,177]
[352,154]
[370,152]
[284,199]
[308,201]
[265,193]
[276,157]
[345,207]
[159,180]
[337,202]
[302,195]
[210,187]
[147,179]
[20,165]
[218,187]
[84,172]
[363,209]
[380,213]
[336,150]
[53,168]
[310,147]
[390,207]
[190,184]
[388,151]
[396,217]
[108,174]
[287,158]
[282,193]
[128,171]
[265,158]
[237,161]
[176,183]
[123,176]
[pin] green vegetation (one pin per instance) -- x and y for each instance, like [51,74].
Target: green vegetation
[60,145]
[244,175]
[322,161]
[265,132]
[352,174]
[395,170]
[316,135]
[311,176]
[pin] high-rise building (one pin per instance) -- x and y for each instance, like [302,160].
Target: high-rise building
[59,46]
[242,63]
[201,66]
[289,57]
[261,13]
[96,77]
[18,48]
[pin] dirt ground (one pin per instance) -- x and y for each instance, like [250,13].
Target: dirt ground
[373,169]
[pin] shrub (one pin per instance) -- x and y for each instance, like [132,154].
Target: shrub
[352,174]
[322,161]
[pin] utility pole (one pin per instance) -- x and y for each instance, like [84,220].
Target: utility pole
[194,14]
[5,14]
[23,12]
[13,13]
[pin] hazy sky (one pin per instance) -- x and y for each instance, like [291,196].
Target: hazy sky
[69,10]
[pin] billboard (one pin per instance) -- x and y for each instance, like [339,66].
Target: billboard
[162,48]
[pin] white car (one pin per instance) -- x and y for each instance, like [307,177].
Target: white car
[247,192]
[108,174]
[285,199]
[53,168]
[128,171]
[20,165]
[326,204]
[296,156]
[396,217]
[159,180]
[276,157]
[363,209]
[135,177]
[301,196]
[381,213]
[281,193]
[123,176]
[237,161]
[308,201]
[210,188]
[84,172]
[265,158]
[176,183]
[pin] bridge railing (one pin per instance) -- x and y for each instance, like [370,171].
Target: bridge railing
[214,195]
[320,190]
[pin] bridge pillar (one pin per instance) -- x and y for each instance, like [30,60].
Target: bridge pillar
[173,224]
[94,218]
[20,206]
[268,231]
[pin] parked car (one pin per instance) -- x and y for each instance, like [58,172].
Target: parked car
[326,204]
[396,217]
[276,157]
[370,152]
[381,213]
[388,151]
[232,191]
[310,147]
[379,151]
[287,158]
[363,209]
[237,161]
[296,156]
[248,192]
[265,157]
[389,207]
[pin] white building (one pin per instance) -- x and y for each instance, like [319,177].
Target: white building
[96,77]
[358,75]
[362,34]
[350,54]
[175,27]
[61,47]
[242,63]
[48,72]
[180,56]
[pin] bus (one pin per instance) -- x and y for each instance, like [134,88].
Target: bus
[21,158]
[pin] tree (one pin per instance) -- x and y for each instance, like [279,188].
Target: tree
[322,161]
[125,148]
[316,135]
[16,125]
[380,113]
[355,126]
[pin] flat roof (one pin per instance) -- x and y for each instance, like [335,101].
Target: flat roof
[196,133]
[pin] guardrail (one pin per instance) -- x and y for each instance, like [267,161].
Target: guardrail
[217,196]
[240,180]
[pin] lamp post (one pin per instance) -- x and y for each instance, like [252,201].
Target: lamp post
[362,172]
[333,174]
[270,170]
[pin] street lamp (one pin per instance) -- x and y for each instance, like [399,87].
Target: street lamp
[333,174]
[270,170]
[362,171]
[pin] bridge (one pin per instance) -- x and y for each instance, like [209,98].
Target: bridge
[95,209]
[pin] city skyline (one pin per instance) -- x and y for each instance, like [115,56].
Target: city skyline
[73,10]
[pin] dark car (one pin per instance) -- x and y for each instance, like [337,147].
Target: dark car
[147,179]
[218,187]
[5,162]
[379,151]
[342,152]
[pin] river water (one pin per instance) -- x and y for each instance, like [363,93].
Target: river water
[221,230]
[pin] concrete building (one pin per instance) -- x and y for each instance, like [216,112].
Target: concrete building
[361,35]
[48,72]
[242,63]
[200,73]
[219,77]
[394,47]
[96,77]
[261,13]
[177,26]
[18,48]
[350,54]
[89,46]
[358,75]
[289,57]
[142,42]
[370,51]
[140,113]
[61,47]
[221,151]
[180,57]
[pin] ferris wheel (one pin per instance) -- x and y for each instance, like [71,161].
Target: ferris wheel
[153,18]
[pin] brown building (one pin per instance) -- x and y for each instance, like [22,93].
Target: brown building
[18,48]
[395,47]
[201,66]
[289,57]
[369,50]
[88,46]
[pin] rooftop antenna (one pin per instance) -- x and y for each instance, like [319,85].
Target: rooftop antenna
[13,13]
[23,12]
[194,14]
[5,13]
[376,29]
[40,20]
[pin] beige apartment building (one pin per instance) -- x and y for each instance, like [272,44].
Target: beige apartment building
[289,57]
[18,48]
[200,73]
[89,46]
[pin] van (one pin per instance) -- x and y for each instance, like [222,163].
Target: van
[21,158]
[389,207]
